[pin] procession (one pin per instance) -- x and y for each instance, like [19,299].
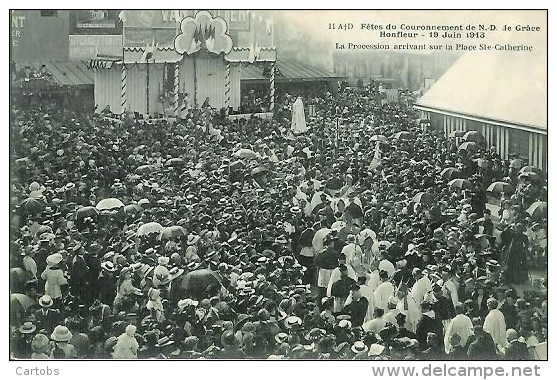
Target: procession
[341,227]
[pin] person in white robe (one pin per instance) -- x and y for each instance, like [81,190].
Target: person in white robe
[461,324]
[421,287]
[411,308]
[494,324]
[386,265]
[384,292]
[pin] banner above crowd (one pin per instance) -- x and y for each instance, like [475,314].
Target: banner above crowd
[142,27]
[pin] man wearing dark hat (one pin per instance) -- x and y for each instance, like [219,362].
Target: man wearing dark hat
[357,307]
[482,346]
[508,308]
[78,274]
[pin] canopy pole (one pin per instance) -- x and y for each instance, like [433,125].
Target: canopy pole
[227,87]
[124,95]
[147,92]
[272,89]
[176,88]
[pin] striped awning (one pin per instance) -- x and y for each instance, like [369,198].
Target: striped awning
[102,63]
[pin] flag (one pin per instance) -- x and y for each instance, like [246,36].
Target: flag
[149,51]
[376,162]
[122,16]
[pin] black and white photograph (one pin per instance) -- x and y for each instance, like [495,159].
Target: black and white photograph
[278,185]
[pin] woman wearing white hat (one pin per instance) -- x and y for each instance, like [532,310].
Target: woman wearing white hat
[126,347]
[54,276]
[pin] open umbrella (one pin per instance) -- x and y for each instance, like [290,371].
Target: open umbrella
[21,301]
[174,162]
[457,133]
[245,153]
[530,175]
[43,229]
[379,138]
[149,228]
[460,183]
[423,198]
[530,169]
[144,169]
[259,170]
[451,173]
[469,146]
[402,135]
[474,136]
[22,161]
[318,238]
[195,282]
[87,211]
[172,232]
[133,208]
[33,205]
[538,210]
[501,187]
[109,204]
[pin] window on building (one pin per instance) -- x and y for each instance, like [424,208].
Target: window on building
[49,13]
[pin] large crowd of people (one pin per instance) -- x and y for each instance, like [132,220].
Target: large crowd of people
[369,237]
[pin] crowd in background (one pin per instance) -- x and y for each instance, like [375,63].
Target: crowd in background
[369,237]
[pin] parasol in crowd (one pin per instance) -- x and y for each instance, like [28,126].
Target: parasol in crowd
[245,153]
[530,169]
[144,169]
[22,162]
[379,138]
[424,198]
[259,170]
[87,211]
[174,162]
[530,176]
[33,205]
[132,208]
[195,282]
[538,210]
[460,183]
[172,232]
[22,301]
[451,173]
[318,239]
[109,204]
[149,228]
[43,229]
[468,146]
[501,187]
[473,136]
[402,135]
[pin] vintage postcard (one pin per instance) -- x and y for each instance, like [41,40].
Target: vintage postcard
[279,185]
